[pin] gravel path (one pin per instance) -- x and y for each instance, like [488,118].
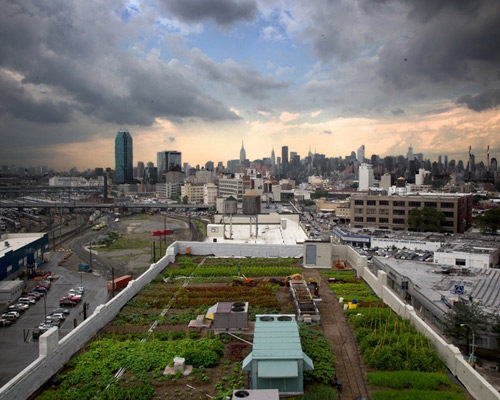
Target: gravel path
[349,365]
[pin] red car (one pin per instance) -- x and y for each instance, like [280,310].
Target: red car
[75,299]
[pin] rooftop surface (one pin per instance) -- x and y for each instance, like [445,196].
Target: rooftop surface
[14,241]
[267,234]
[276,337]
[483,284]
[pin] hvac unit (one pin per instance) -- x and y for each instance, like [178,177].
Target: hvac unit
[230,316]
[264,394]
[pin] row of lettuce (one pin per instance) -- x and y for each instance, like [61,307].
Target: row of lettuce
[404,364]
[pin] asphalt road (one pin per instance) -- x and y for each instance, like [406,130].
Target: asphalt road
[15,353]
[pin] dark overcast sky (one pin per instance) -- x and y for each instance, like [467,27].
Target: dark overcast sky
[200,76]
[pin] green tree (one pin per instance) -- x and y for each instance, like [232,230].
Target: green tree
[319,194]
[426,219]
[468,314]
[489,222]
[185,200]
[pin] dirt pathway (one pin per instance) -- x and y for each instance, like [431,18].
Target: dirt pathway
[349,366]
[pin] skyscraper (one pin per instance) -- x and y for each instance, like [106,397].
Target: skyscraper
[361,153]
[284,156]
[243,154]
[273,159]
[168,161]
[123,157]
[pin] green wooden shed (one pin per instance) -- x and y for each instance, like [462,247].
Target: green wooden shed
[277,360]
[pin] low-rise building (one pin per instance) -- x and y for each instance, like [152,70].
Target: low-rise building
[194,193]
[392,212]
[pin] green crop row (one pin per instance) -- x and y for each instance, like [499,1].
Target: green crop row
[92,370]
[408,380]
[252,262]
[408,364]
[320,352]
[211,271]
[337,274]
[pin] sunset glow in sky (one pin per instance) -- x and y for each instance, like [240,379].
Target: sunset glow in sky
[200,76]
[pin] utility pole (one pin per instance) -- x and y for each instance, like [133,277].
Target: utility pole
[90,248]
[113,279]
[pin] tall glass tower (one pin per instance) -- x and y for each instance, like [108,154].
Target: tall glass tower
[123,157]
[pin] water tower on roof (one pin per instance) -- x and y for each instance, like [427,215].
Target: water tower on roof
[230,207]
[251,203]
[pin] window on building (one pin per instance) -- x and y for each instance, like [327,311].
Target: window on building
[415,204]
[399,212]
[449,214]
[399,221]
[383,220]
[371,219]
[371,211]
[358,211]
[447,205]
[383,203]
[359,202]
[383,211]
[398,203]
[430,204]
[448,223]
[371,202]
[358,219]
[460,261]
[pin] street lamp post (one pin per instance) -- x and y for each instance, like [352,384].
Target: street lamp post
[471,359]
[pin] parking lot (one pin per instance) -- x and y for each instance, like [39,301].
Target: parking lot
[15,352]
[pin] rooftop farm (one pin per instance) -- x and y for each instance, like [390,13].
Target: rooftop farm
[127,360]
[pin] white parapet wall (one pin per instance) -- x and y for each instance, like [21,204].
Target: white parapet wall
[477,386]
[239,249]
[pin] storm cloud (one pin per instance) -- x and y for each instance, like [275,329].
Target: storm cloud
[482,101]
[222,12]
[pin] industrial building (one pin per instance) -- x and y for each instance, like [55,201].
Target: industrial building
[277,360]
[453,250]
[21,251]
[391,212]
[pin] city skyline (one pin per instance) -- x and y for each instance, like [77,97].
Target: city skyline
[327,75]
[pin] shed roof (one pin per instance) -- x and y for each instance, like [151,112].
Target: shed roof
[276,336]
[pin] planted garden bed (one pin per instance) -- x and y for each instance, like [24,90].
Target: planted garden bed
[403,363]
[216,360]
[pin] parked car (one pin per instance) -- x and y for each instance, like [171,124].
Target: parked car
[40,289]
[20,308]
[27,300]
[75,298]
[67,303]
[57,315]
[5,322]
[64,311]
[74,292]
[80,288]
[43,327]
[9,316]
[54,321]
[38,295]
